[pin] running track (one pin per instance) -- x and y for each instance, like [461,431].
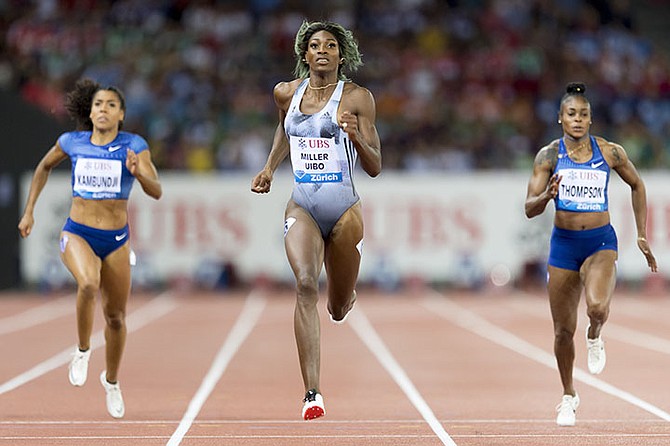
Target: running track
[415,368]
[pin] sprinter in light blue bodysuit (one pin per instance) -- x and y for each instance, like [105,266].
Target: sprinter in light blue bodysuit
[94,241]
[326,124]
[574,172]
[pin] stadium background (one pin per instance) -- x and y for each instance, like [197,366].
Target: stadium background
[466,91]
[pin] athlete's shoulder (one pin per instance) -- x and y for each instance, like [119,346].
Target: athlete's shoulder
[613,152]
[354,89]
[551,148]
[604,144]
[136,142]
[548,155]
[68,140]
[285,89]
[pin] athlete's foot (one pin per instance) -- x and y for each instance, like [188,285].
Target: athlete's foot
[78,368]
[596,356]
[313,407]
[352,302]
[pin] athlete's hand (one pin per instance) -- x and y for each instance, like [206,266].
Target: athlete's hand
[349,123]
[261,182]
[643,244]
[552,186]
[26,225]
[132,162]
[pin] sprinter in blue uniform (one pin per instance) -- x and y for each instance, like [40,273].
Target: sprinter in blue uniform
[326,123]
[94,242]
[574,172]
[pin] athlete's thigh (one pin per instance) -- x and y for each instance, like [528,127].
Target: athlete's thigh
[115,280]
[564,289]
[343,251]
[303,242]
[599,275]
[79,259]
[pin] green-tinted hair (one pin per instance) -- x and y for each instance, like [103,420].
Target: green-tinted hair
[345,40]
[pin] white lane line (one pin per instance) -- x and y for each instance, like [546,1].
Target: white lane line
[636,338]
[472,322]
[612,330]
[331,421]
[158,307]
[574,436]
[246,321]
[367,334]
[37,315]
[219,437]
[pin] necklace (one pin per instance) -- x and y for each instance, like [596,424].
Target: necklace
[578,148]
[320,88]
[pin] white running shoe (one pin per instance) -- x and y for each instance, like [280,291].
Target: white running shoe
[313,407]
[566,410]
[596,353]
[114,398]
[78,368]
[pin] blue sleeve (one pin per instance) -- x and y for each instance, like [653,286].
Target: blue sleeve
[138,144]
[64,142]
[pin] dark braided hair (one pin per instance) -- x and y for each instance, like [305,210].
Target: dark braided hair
[78,102]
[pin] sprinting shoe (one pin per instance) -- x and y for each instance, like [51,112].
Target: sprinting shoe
[566,410]
[114,398]
[78,368]
[344,319]
[313,407]
[596,357]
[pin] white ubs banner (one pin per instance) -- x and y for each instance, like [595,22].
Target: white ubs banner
[417,225]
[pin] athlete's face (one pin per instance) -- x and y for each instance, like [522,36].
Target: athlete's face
[575,117]
[106,111]
[323,52]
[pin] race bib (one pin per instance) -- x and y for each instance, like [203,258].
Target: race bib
[583,190]
[315,160]
[97,176]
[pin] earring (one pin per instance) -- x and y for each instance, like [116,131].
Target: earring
[342,60]
[560,122]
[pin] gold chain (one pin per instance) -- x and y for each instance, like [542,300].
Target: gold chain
[320,88]
[578,148]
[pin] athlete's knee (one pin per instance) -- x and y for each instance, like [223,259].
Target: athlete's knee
[598,311]
[563,334]
[116,319]
[307,288]
[88,288]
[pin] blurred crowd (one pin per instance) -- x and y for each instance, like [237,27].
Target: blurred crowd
[459,84]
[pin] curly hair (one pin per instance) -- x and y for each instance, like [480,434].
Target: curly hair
[78,102]
[345,40]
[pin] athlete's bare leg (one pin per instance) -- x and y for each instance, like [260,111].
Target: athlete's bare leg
[599,275]
[84,265]
[305,250]
[342,262]
[115,290]
[564,293]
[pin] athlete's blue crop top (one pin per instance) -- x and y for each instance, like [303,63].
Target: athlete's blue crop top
[583,187]
[99,172]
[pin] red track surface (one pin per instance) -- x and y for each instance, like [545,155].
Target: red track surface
[409,369]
